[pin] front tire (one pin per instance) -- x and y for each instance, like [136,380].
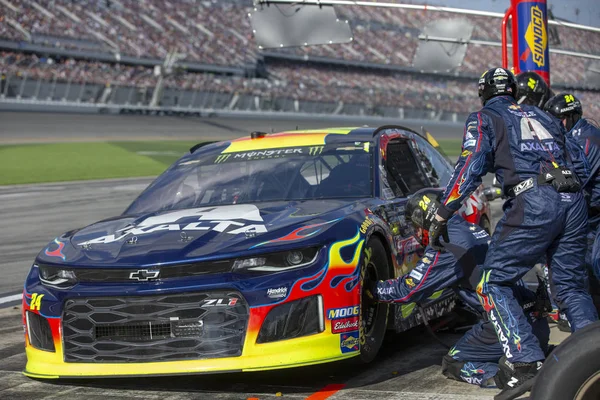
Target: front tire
[373,315]
[484,223]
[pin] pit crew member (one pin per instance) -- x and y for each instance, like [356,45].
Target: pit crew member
[474,358]
[545,215]
[532,89]
[567,108]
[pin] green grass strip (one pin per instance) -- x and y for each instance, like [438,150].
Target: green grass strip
[54,162]
[451,146]
[57,162]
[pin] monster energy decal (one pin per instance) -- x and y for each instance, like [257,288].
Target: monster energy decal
[269,154]
[221,158]
[315,150]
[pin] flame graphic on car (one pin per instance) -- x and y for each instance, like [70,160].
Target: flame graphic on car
[338,270]
[299,233]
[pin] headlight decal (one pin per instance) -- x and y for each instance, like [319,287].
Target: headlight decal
[57,277]
[277,262]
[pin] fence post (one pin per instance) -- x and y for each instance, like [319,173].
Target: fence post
[67,90]
[6,84]
[37,88]
[52,89]
[113,94]
[79,98]
[195,92]
[22,86]
[131,91]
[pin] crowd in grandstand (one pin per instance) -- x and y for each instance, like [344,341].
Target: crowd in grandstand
[219,33]
[298,81]
[209,32]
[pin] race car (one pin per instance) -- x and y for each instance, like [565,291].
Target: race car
[244,255]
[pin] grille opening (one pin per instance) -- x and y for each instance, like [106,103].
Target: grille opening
[154,328]
[133,332]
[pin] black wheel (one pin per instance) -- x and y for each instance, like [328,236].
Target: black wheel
[373,315]
[484,222]
[572,371]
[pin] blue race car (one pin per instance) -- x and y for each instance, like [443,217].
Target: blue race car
[243,255]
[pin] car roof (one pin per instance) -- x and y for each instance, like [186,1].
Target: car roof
[307,137]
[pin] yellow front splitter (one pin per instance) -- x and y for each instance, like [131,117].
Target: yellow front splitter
[309,350]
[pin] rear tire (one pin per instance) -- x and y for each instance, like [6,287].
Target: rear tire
[373,315]
[572,370]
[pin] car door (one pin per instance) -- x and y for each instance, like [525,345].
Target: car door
[401,174]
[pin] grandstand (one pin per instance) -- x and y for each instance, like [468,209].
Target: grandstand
[92,51]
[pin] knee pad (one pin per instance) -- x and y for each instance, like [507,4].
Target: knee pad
[451,367]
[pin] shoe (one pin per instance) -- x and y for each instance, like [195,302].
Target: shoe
[549,350]
[563,324]
[515,379]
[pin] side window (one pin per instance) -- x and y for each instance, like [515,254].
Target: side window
[404,175]
[440,171]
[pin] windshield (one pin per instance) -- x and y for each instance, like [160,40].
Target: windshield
[295,173]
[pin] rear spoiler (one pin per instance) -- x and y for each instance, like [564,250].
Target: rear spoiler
[201,144]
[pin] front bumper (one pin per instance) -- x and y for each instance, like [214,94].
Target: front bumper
[315,349]
[88,353]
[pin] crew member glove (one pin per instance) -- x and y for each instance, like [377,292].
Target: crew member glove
[437,229]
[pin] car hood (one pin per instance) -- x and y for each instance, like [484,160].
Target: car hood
[198,233]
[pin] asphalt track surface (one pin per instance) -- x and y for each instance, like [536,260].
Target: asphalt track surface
[408,366]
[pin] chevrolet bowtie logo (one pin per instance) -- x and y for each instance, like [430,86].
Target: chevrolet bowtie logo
[144,275]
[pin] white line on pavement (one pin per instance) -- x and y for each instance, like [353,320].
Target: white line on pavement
[8,299]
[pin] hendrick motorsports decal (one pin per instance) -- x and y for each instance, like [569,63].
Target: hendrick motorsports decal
[235,219]
[277,293]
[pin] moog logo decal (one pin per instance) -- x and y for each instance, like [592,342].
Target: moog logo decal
[337,313]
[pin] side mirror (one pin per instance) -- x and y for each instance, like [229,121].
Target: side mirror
[492,193]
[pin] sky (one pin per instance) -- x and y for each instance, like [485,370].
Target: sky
[585,12]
